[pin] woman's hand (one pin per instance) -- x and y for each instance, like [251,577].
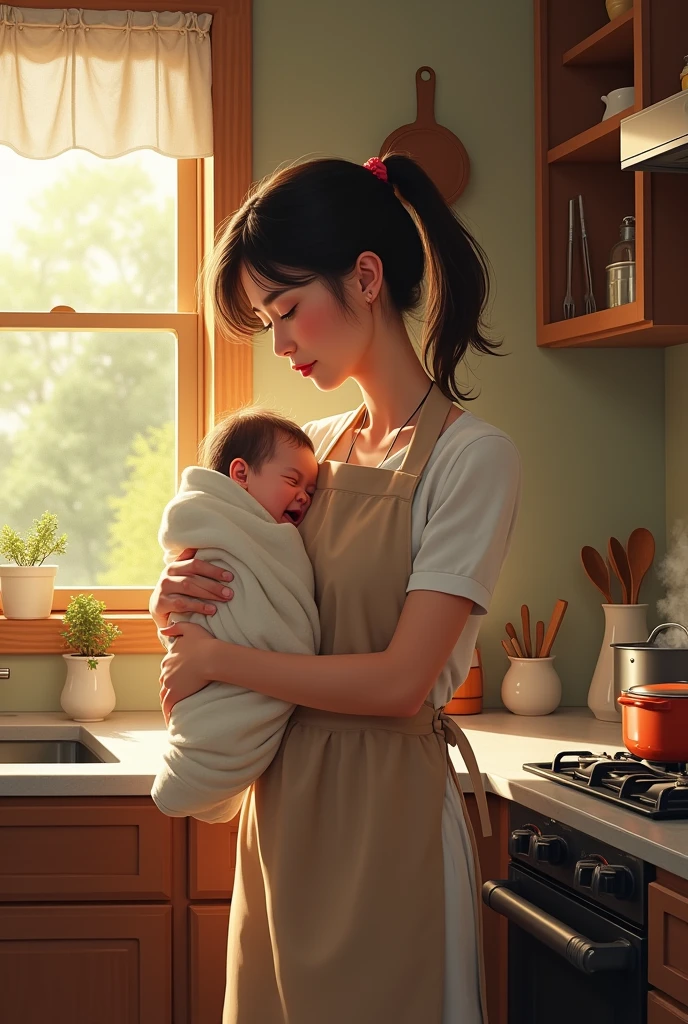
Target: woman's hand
[187,585]
[182,669]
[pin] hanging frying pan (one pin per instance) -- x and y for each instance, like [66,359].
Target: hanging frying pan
[438,151]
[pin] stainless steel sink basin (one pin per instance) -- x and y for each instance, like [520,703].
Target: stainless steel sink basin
[46,752]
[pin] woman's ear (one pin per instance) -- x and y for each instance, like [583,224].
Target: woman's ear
[238,472]
[369,275]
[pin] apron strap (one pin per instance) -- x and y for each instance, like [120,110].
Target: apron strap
[428,429]
[455,736]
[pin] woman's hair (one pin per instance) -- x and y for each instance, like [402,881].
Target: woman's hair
[250,434]
[312,220]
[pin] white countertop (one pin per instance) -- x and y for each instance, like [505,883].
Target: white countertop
[133,741]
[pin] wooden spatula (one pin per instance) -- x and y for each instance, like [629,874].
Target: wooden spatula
[641,552]
[597,571]
[619,561]
[539,636]
[513,636]
[553,627]
[525,622]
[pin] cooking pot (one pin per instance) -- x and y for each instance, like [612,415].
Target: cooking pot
[643,662]
[655,721]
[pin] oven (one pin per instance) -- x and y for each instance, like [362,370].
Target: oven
[577,921]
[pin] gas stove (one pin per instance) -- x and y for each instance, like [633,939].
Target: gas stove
[655,790]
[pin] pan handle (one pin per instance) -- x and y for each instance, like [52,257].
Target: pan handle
[644,703]
[665,625]
[584,954]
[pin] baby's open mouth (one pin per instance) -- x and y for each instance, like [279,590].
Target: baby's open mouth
[292,515]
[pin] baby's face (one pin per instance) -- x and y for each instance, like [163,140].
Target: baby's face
[285,485]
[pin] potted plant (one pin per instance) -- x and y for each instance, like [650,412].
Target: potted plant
[88,694]
[27,586]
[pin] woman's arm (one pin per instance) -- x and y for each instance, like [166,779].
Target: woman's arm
[393,682]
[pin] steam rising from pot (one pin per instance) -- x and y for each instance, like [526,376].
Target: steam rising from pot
[672,571]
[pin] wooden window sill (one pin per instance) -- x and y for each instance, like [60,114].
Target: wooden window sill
[42,636]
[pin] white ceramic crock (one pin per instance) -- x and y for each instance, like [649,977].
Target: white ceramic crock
[531,686]
[618,100]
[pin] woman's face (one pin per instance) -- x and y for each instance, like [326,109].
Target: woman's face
[311,330]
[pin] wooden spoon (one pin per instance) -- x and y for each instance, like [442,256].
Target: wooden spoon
[619,561]
[514,639]
[525,622]
[641,552]
[539,636]
[553,628]
[509,652]
[597,571]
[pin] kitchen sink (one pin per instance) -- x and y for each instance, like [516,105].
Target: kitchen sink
[47,752]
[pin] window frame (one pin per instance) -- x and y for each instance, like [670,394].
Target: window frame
[217,375]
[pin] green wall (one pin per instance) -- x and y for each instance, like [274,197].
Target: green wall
[332,79]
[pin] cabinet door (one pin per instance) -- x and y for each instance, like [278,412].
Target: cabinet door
[85,964]
[668,941]
[662,1010]
[207,962]
[212,859]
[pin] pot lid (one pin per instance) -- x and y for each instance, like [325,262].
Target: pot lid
[679,689]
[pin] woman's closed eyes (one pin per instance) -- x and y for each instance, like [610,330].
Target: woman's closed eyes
[285,316]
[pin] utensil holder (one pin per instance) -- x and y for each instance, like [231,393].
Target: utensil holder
[531,686]
[623,623]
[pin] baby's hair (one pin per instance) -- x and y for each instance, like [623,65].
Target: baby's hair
[251,434]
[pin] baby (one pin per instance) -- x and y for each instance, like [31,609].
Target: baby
[239,509]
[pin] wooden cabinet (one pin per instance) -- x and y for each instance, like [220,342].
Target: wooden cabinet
[111,913]
[581,56]
[85,964]
[668,949]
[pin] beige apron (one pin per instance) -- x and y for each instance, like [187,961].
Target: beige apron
[338,908]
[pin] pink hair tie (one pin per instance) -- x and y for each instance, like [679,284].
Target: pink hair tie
[376,166]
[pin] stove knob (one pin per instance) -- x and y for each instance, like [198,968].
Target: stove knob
[520,840]
[584,872]
[549,850]
[612,880]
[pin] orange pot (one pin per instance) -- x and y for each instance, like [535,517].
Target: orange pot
[468,697]
[655,721]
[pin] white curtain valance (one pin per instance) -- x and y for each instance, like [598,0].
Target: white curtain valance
[106,81]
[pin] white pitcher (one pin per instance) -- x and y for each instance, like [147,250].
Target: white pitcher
[623,624]
[618,100]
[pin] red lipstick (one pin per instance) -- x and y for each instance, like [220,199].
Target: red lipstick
[305,368]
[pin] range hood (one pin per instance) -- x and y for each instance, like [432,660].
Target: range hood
[656,138]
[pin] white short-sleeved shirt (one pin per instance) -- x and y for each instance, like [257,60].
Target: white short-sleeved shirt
[462,519]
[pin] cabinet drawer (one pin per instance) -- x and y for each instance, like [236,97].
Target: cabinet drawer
[662,1010]
[84,849]
[668,941]
[212,859]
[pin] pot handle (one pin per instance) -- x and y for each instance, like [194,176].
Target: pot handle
[644,703]
[665,625]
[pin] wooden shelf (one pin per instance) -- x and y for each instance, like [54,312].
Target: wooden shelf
[612,44]
[599,144]
[621,326]
[42,636]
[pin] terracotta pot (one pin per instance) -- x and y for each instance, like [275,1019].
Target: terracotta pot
[655,721]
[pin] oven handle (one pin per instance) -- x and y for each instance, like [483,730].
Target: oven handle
[584,954]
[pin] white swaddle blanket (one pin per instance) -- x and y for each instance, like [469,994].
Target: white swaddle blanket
[223,737]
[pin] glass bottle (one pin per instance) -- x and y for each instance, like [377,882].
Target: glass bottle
[621,266]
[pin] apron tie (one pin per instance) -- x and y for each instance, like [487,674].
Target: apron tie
[455,737]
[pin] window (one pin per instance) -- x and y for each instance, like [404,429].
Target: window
[103,401]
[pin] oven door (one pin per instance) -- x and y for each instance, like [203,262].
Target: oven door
[569,962]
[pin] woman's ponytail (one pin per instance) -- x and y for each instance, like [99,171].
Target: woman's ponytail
[458,276]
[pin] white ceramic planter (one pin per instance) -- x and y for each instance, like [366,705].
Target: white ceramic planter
[531,686]
[27,590]
[623,624]
[88,694]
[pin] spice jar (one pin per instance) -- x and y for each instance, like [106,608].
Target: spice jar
[684,73]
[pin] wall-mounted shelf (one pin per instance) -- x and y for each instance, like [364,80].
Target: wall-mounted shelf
[597,144]
[581,56]
[611,44]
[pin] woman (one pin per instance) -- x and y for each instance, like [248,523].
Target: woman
[355,898]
